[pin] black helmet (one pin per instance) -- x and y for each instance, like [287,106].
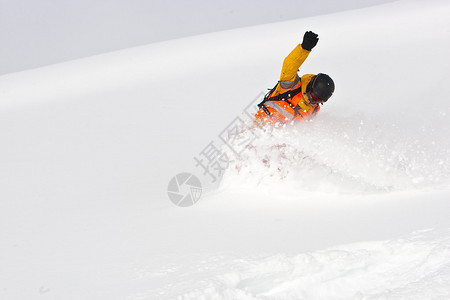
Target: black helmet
[321,86]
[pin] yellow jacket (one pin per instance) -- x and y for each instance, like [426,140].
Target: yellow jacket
[296,108]
[289,78]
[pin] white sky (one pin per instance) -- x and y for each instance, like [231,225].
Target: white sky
[37,33]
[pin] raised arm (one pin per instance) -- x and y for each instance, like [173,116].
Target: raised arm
[296,58]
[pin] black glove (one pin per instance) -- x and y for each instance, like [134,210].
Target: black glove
[310,40]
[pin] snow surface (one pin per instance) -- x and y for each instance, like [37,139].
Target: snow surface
[38,33]
[354,205]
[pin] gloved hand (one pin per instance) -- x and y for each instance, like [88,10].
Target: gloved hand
[310,40]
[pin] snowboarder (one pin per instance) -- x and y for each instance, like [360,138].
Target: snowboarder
[294,98]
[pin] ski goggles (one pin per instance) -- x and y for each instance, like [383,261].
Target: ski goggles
[313,99]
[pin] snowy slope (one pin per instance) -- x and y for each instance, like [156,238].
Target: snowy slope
[35,34]
[355,204]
